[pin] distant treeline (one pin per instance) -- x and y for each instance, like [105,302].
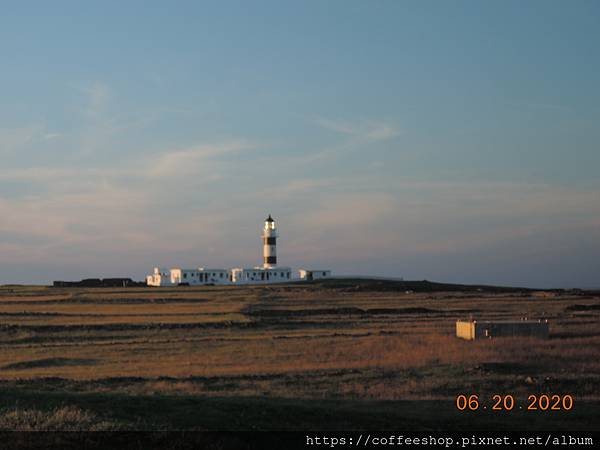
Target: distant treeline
[100,282]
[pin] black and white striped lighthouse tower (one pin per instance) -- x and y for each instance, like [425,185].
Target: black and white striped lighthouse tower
[269,244]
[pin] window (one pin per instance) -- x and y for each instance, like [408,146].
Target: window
[288,275]
[324,274]
[184,275]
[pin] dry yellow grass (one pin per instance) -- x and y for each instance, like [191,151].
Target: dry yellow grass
[66,418]
[292,341]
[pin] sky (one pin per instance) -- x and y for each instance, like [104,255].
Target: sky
[448,141]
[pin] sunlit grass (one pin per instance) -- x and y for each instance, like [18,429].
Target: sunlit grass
[290,341]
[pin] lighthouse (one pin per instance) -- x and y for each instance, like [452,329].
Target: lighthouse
[269,237]
[269,272]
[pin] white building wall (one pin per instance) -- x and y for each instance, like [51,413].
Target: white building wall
[159,277]
[314,274]
[215,276]
[259,275]
[200,276]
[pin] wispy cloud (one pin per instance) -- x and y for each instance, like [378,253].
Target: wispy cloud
[25,137]
[366,130]
[98,95]
[190,160]
[131,206]
[337,126]
[382,132]
[14,138]
[101,211]
[103,119]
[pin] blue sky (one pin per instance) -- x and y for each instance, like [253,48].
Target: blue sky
[452,141]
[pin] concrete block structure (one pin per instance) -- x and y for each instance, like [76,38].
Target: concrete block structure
[475,329]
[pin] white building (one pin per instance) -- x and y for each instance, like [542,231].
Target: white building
[269,272]
[314,274]
[200,276]
[192,277]
[160,277]
[261,275]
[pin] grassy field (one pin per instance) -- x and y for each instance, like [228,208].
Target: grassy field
[336,355]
